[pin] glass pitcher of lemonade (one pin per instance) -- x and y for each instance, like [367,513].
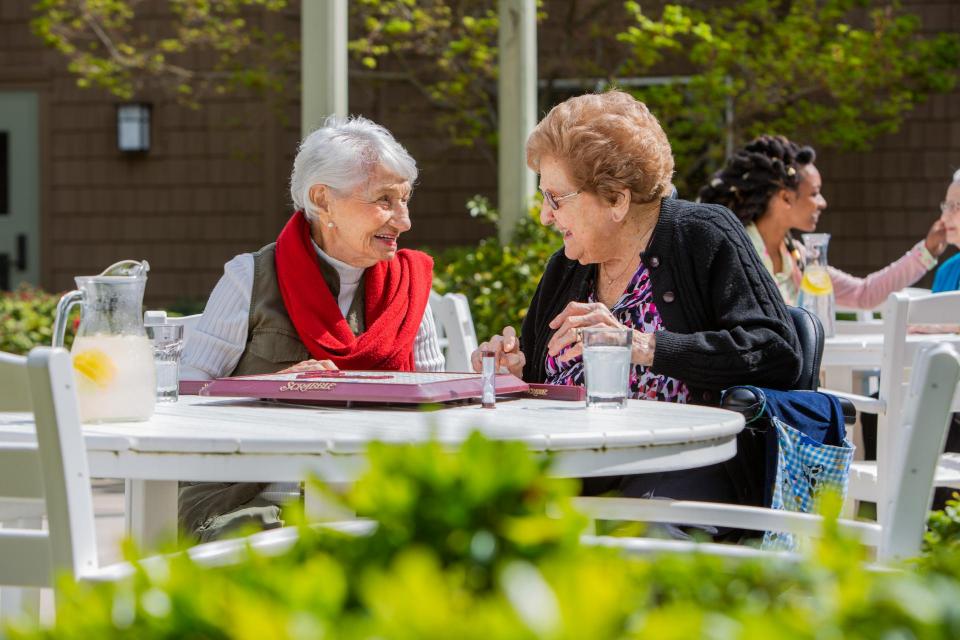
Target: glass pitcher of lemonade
[816,288]
[112,356]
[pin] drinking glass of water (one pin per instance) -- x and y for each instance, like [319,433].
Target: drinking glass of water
[167,345]
[606,364]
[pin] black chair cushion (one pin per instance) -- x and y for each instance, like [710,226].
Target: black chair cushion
[810,332]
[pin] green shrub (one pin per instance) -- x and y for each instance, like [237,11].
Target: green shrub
[498,280]
[465,549]
[26,319]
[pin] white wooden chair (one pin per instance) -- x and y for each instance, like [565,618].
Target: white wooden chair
[458,338]
[921,434]
[902,309]
[53,472]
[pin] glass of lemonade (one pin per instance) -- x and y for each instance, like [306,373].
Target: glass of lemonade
[606,364]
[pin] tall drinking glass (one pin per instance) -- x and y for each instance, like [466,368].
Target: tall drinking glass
[167,345]
[606,364]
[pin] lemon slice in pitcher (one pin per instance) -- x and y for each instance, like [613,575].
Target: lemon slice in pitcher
[95,366]
[816,282]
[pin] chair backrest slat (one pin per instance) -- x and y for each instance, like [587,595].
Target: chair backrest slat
[20,473]
[15,387]
[937,308]
[26,558]
[924,424]
[451,312]
[63,457]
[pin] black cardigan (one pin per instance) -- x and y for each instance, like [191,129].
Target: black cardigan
[724,320]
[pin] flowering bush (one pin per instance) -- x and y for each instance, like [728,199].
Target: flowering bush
[483,544]
[26,319]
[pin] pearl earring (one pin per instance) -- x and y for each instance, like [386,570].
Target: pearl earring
[330,225]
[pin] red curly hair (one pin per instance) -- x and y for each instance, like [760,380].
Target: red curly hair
[608,142]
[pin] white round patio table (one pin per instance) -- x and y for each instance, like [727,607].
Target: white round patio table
[232,439]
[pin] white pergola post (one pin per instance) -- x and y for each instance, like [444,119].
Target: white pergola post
[323,61]
[517,107]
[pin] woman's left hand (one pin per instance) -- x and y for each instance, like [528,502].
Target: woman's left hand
[582,315]
[311,365]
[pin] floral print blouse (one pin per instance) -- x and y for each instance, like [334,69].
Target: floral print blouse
[637,310]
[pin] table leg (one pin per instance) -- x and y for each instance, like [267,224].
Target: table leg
[151,511]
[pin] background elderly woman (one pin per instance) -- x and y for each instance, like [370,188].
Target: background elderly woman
[683,277]
[773,186]
[947,277]
[333,291]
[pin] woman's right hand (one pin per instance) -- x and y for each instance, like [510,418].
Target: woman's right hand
[311,365]
[507,348]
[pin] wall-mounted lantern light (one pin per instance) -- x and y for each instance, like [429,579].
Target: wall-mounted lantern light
[133,127]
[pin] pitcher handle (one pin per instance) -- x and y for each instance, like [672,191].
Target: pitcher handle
[63,310]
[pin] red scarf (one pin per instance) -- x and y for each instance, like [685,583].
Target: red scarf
[396,297]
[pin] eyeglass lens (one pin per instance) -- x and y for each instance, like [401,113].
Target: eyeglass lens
[550,199]
[949,205]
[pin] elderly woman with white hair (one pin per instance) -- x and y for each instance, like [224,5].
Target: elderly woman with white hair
[333,291]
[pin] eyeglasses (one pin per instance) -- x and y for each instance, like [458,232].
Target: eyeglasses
[950,206]
[554,201]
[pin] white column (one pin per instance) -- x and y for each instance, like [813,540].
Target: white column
[517,107]
[323,61]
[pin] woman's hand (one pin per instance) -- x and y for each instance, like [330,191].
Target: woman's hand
[311,365]
[583,315]
[507,348]
[936,241]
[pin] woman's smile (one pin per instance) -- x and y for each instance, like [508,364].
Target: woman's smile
[388,239]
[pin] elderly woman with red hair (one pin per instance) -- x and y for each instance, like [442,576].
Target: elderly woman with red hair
[684,277]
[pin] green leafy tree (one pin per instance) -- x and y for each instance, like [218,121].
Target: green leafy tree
[196,49]
[837,73]
[447,50]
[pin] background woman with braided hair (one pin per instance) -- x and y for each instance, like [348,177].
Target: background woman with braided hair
[773,186]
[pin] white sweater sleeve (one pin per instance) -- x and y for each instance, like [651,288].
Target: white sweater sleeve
[215,346]
[426,347]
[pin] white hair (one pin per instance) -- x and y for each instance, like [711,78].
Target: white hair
[342,154]
[956,175]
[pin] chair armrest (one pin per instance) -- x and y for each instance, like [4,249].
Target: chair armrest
[745,402]
[862,403]
[719,514]
[648,546]
[227,552]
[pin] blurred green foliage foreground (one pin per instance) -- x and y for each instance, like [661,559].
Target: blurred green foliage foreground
[482,544]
